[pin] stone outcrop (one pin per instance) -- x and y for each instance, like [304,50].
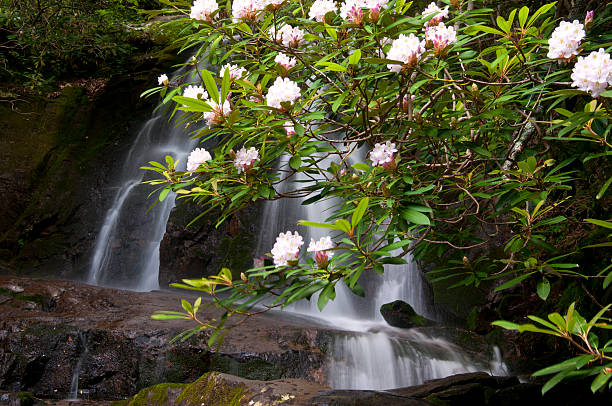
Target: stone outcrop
[401,314]
[47,326]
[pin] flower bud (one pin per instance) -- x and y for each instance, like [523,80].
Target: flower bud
[232,154]
[588,19]
[243,277]
[375,14]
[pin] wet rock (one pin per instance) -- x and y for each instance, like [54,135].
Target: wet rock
[120,349]
[401,314]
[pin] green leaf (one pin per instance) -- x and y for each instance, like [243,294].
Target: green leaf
[328,292]
[603,189]
[358,290]
[211,85]
[570,364]
[339,101]
[552,382]
[361,166]
[354,58]
[513,282]
[543,288]
[187,306]
[331,66]
[600,380]
[522,15]
[163,194]
[295,162]
[601,223]
[359,211]
[225,84]
[415,217]
[343,225]
[505,324]
[320,225]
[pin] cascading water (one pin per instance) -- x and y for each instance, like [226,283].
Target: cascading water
[126,252]
[368,353]
[74,384]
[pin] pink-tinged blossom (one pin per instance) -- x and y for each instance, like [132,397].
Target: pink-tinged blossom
[407,49]
[235,71]
[289,129]
[247,9]
[351,10]
[320,248]
[564,43]
[440,37]
[588,19]
[438,13]
[289,36]
[321,7]
[383,154]
[593,73]
[163,80]
[219,111]
[195,92]
[283,90]
[287,248]
[202,10]
[196,158]
[245,159]
[285,61]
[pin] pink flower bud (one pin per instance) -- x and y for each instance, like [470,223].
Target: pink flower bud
[588,20]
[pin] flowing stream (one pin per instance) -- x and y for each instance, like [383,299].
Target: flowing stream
[366,353]
[74,384]
[126,251]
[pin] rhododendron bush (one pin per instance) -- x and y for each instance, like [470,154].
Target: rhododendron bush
[431,127]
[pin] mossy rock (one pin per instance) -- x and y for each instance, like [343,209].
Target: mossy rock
[401,314]
[212,389]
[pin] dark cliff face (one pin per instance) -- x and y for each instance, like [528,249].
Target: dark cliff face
[60,155]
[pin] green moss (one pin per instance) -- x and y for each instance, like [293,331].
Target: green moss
[153,395]
[209,390]
[433,399]
[236,253]
[26,399]
[38,299]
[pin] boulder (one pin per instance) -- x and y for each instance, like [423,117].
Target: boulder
[401,314]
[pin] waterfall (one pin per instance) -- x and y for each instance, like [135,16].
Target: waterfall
[126,251]
[367,353]
[74,384]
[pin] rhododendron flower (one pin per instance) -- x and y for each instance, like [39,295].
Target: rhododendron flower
[283,90]
[218,112]
[320,248]
[289,129]
[593,73]
[196,158]
[235,71]
[273,4]
[289,36]
[565,40]
[407,49]
[163,80]
[383,154]
[321,7]
[351,10]
[202,9]
[245,159]
[247,9]
[285,61]
[440,37]
[195,92]
[287,248]
[439,14]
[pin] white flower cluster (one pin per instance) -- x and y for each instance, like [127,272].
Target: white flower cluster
[163,80]
[245,159]
[247,9]
[283,90]
[197,157]
[202,9]
[382,153]
[593,73]
[439,14]
[321,7]
[235,71]
[218,111]
[287,248]
[195,91]
[320,248]
[285,61]
[565,40]
[407,49]
[440,36]
[289,36]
